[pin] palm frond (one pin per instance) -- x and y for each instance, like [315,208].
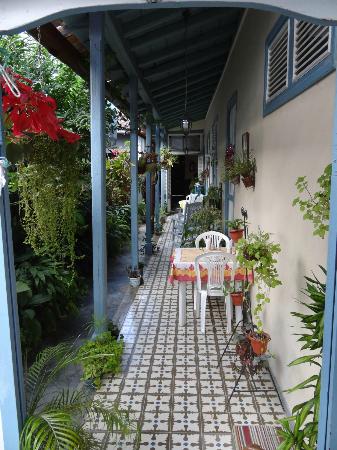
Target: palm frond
[49,430]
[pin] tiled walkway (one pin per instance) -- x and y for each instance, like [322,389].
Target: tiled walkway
[170,380]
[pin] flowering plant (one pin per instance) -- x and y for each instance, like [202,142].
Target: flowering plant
[32,112]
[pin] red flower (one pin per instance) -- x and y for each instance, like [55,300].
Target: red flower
[32,112]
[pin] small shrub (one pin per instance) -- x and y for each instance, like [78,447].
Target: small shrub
[100,356]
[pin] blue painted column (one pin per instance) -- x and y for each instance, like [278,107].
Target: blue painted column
[148,245]
[133,89]
[12,397]
[327,433]
[157,190]
[98,168]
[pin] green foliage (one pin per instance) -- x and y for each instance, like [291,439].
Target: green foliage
[167,159]
[118,228]
[118,179]
[243,165]
[257,253]
[141,211]
[315,206]
[47,292]
[304,420]
[235,224]
[213,197]
[57,423]
[100,356]
[205,219]
[49,189]
[232,169]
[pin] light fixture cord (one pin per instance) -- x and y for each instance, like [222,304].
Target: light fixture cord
[185,42]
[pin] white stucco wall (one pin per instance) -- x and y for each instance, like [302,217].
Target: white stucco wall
[294,140]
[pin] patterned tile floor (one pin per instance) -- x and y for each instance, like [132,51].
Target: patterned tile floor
[170,381]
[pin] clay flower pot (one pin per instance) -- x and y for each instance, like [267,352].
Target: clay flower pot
[249,181]
[237,298]
[236,234]
[259,342]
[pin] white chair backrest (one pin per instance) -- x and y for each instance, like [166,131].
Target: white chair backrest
[213,239]
[192,198]
[215,263]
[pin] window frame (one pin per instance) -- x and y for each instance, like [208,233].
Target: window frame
[295,85]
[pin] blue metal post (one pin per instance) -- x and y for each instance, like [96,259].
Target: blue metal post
[148,245]
[98,168]
[134,170]
[327,432]
[157,190]
[12,396]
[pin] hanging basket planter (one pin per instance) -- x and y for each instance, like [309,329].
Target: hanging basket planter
[259,342]
[248,181]
[147,163]
[237,298]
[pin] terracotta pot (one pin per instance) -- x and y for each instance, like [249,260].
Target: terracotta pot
[249,181]
[259,342]
[235,180]
[237,298]
[236,234]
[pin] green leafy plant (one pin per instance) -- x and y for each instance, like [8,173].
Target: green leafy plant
[205,219]
[299,431]
[167,158]
[47,292]
[118,228]
[213,197]
[49,191]
[58,421]
[257,253]
[102,355]
[118,179]
[315,206]
[233,170]
[235,224]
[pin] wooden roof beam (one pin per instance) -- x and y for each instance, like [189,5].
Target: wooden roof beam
[119,46]
[179,91]
[193,59]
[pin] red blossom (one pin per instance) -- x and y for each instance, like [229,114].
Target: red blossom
[32,112]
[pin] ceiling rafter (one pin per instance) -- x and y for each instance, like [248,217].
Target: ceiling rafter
[119,45]
[153,21]
[192,59]
[194,23]
[206,78]
[181,92]
[202,40]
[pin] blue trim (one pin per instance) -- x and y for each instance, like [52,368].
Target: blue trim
[169,5]
[327,430]
[295,87]
[148,246]
[98,169]
[12,398]
[233,101]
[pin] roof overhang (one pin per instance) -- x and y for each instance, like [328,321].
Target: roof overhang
[21,15]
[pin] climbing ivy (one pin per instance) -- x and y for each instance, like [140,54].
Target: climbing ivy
[49,191]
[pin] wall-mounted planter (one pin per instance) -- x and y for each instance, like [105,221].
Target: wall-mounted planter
[259,342]
[249,181]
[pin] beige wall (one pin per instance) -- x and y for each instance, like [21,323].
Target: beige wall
[294,140]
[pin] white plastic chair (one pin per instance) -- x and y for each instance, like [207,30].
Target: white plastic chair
[192,198]
[215,263]
[213,240]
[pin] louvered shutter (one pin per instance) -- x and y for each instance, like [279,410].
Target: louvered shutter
[312,43]
[277,69]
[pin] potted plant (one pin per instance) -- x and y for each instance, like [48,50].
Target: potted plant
[167,158]
[147,162]
[236,293]
[233,171]
[257,253]
[135,277]
[247,171]
[259,341]
[236,229]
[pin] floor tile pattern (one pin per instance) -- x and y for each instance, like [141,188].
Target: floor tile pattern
[170,382]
